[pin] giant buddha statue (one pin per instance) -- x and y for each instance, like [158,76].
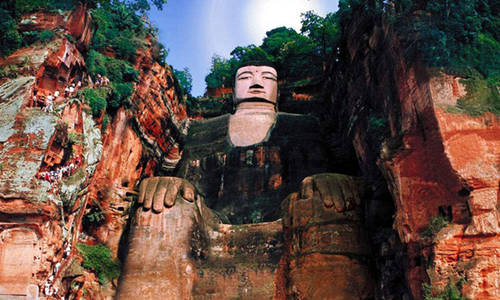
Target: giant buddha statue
[227,224]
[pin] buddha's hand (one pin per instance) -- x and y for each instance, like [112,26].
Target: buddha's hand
[158,192]
[339,191]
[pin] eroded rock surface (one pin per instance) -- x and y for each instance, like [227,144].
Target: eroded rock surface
[327,249]
[56,165]
[436,165]
[389,123]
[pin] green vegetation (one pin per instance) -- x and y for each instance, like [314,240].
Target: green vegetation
[121,31]
[30,37]
[121,94]
[117,70]
[482,96]
[377,125]
[10,39]
[378,129]
[46,35]
[94,217]
[456,36]
[105,123]
[221,72]
[76,138]
[19,7]
[184,79]
[452,292]
[9,71]
[120,72]
[98,259]
[118,28]
[10,13]
[435,225]
[96,99]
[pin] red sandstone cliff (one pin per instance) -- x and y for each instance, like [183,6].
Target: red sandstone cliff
[57,166]
[393,113]
[436,165]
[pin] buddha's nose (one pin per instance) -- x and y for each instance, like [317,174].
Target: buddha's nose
[256,86]
[257,80]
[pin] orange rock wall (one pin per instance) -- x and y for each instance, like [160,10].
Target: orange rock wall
[41,215]
[434,164]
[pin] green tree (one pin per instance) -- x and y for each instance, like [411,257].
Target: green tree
[221,71]
[120,95]
[119,29]
[324,32]
[185,80]
[250,52]
[299,59]
[116,70]
[275,40]
[143,6]
[98,258]
[96,99]
[10,39]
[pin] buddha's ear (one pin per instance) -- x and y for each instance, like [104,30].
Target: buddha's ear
[233,99]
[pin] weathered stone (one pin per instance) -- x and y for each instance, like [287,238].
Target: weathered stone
[326,248]
[18,251]
[434,163]
[13,95]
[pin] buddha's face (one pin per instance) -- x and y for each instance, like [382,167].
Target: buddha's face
[256,82]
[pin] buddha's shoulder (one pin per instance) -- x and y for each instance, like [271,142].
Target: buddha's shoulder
[205,133]
[289,124]
[199,129]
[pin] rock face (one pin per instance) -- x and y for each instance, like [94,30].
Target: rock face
[437,165]
[186,252]
[387,121]
[182,254]
[56,166]
[327,250]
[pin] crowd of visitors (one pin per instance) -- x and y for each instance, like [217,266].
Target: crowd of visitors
[46,102]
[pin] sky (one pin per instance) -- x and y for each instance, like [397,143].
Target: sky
[195,30]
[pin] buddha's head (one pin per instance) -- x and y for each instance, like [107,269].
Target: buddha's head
[256,82]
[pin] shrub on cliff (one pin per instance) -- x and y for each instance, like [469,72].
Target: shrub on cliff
[120,95]
[482,96]
[96,99]
[435,225]
[9,71]
[451,292]
[10,39]
[30,37]
[117,70]
[118,28]
[19,7]
[98,259]
[453,35]
[46,35]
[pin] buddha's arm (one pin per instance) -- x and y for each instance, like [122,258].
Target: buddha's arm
[158,192]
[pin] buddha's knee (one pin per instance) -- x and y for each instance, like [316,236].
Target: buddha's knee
[325,240]
[159,253]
